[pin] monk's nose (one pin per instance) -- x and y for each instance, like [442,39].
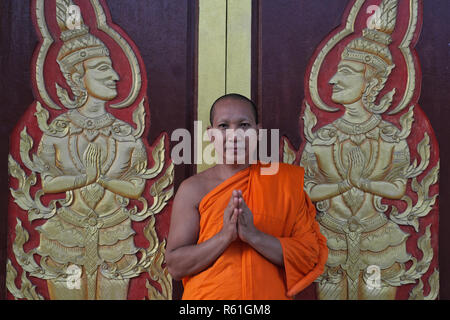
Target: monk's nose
[235,135]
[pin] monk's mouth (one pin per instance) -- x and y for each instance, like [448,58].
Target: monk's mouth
[236,150]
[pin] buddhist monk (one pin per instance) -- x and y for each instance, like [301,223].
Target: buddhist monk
[238,234]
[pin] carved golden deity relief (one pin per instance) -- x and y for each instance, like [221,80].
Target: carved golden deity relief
[86,247]
[358,166]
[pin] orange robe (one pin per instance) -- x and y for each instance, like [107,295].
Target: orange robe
[280,208]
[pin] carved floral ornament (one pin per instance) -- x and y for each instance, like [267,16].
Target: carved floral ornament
[370,156]
[101,240]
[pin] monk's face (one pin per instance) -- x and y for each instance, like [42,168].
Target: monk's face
[235,131]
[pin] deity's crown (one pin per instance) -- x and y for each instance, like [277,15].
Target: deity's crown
[79,45]
[373,47]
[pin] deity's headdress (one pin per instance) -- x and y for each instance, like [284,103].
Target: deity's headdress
[372,49]
[79,45]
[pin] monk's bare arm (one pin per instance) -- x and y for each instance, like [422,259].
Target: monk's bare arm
[268,246]
[184,256]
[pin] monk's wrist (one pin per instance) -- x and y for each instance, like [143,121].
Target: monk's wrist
[224,237]
[254,237]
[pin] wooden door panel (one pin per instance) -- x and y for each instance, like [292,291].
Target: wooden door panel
[163,33]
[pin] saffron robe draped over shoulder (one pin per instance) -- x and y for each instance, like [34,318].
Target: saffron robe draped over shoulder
[280,208]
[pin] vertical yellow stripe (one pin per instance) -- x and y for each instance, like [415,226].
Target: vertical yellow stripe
[211,65]
[224,58]
[239,41]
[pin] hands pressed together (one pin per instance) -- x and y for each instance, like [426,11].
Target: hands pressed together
[92,163]
[192,257]
[238,220]
[356,164]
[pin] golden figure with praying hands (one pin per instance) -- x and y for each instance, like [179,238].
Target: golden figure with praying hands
[100,162]
[356,162]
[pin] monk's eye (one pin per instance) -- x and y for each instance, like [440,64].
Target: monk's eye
[245,125]
[222,126]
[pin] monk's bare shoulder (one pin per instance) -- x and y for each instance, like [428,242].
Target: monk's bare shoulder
[193,189]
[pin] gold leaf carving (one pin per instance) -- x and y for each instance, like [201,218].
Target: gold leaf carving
[385,103]
[35,208]
[310,121]
[313,81]
[288,153]
[424,203]
[160,196]
[418,293]
[152,260]
[158,158]
[26,259]
[424,244]
[139,120]
[92,225]
[42,54]
[151,236]
[42,116]
[111,271]
[418,268]
[406,121]
[423,149]
[160,274]
[27,289]
[157,190]
[407,54]
[352,166]
[136,77]
[156,270]
[22,194]
[26,143]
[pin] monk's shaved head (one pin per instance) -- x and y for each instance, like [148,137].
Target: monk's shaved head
[236,97]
